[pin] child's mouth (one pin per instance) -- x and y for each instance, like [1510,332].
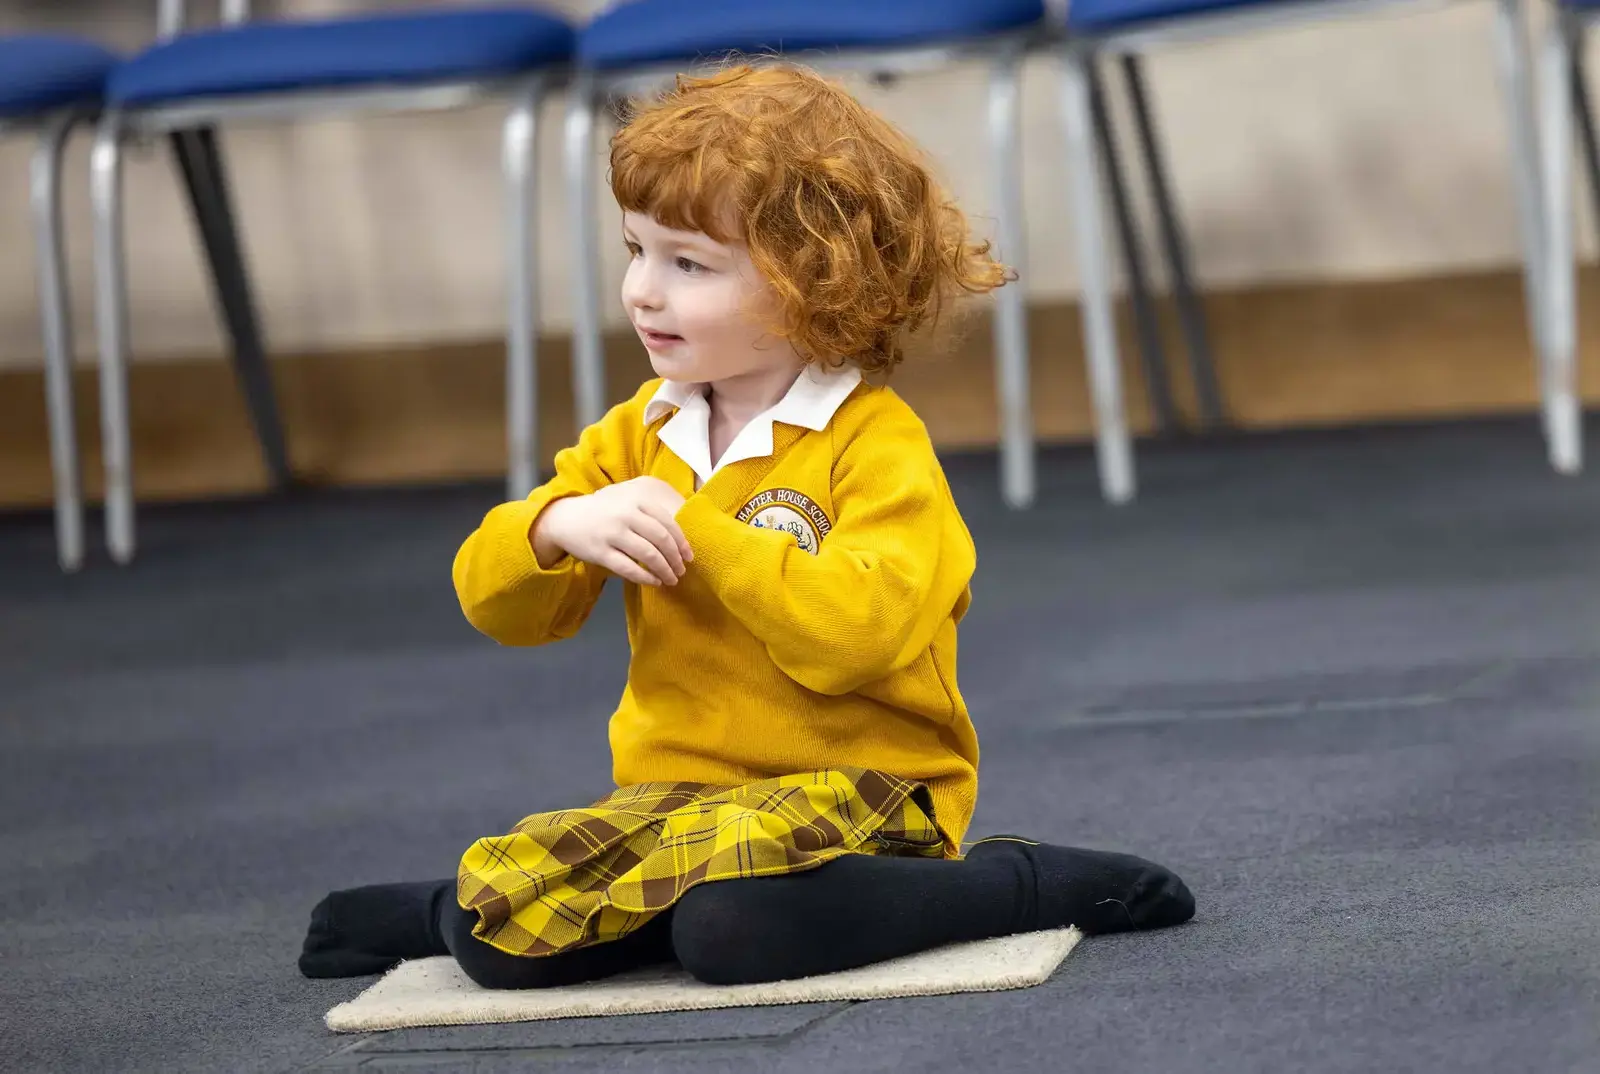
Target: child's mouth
[659,339]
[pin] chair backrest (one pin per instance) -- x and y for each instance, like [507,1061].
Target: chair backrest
[173,15]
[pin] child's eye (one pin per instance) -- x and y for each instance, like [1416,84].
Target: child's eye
[691,267]
[634,249]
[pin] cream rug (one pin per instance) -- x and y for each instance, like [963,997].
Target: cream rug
[434,992]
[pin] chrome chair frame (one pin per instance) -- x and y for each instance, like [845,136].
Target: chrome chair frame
[1076,54]
[53,131]
[1561,90]
[518,143]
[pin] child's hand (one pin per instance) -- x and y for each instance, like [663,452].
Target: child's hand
[630,529]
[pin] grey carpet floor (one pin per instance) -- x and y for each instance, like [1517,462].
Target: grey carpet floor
[1346,684]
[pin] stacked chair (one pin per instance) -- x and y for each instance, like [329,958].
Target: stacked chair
[190,83]
[1092,29]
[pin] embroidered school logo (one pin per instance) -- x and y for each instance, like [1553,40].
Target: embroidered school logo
[790,511]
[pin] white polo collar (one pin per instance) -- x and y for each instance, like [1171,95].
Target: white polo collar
[810,403]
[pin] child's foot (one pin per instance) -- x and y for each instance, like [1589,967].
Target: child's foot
[367,930]
[1095,890]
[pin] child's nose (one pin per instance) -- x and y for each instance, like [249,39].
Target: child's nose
[639,290]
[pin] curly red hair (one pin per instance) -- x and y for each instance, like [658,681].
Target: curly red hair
[836,206]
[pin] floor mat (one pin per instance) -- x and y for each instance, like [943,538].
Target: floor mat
[434,991]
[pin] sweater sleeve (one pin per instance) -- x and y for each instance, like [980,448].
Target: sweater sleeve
[894,568]
[503,590]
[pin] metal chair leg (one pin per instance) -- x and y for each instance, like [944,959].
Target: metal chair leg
[1152,355]
[1558,355]
[588,352]
[1018,479]
[111,322]
[1583,110]
[55,310]
[1202,367]
[1511,52]
[200,161]
[1113,445]
[518,140]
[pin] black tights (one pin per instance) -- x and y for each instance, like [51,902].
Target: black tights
[851,912]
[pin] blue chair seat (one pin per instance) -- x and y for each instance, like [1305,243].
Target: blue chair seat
[412,48]
[664,31]
[41,72]
[1099,16]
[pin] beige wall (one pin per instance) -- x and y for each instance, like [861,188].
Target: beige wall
[1351,150]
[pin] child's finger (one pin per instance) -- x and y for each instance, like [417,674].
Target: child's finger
[668,518]
[620,565]
[653,531]
[637,548]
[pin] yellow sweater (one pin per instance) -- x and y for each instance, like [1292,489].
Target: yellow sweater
[816,626]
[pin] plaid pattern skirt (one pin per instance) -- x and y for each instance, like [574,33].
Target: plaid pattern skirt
[576,877]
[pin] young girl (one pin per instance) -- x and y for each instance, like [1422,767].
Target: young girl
[796,766]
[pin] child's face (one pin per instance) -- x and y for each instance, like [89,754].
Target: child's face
[699,305]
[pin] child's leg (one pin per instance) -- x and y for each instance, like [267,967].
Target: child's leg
[367,930]
[861,909]
[650,945]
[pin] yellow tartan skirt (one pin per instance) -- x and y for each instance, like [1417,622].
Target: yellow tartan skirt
[576,877]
